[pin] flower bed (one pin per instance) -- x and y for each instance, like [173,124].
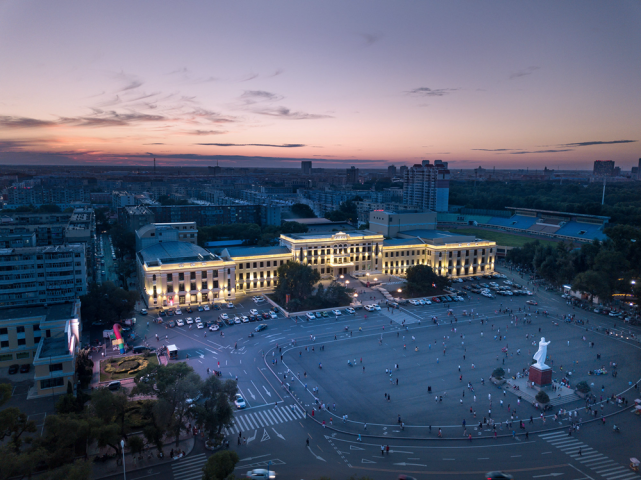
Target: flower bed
[124,367]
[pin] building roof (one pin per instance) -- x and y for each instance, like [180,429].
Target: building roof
[55,346]
[256,251]
[327,236]
[224,243]
[59,311]
[174,252]
[397,242]
[431,234]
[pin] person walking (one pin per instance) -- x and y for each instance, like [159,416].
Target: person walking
[382,450]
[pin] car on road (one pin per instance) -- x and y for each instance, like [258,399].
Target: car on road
[239,401]
[200,325]
[172,324]
[179,311]
[498,476]
[253,311]
[377,307]
[189,320]
[25,367]
[531,302]
[310,316]
[369,308]
[350,310]
[162,313]
[224,316]
[214,328]
[436,300]
[180,322]
[143,311]
[508,282]
[261,473]
[206,308]
[260,327]
[615,314]
[337,312]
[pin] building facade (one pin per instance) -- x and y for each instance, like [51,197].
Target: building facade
[136,217]
[427,186]
[306,167]
[603,168]
[166,232]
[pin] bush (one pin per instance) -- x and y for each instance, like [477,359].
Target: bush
[220,465]
[542,397]
[583,387]
[498,373]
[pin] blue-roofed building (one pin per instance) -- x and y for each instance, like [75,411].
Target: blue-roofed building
[515,222]
[580,230]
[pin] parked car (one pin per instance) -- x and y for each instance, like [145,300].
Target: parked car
[350,310]
[253,311]
[214,328]
[325,314]
[143,311]
[230,305]
[189,320]
[273,314]
[25,367]
[531,302]
[172,324]
[224,316]
[201,308]
[337,312]
[206,308]
[318,314]
[369,308]
[162,313]
[415,302]
[179,311]
[200,325]
[310,316]
[244,319]
[198,320]
[266,316]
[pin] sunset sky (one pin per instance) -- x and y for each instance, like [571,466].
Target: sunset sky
[498,83]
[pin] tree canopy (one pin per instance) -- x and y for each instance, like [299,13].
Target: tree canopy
[347,211]
[422,280]
[107,302]
[302,210]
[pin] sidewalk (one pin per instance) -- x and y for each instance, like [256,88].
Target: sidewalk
[111,467]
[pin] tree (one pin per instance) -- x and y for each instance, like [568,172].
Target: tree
[84,368]
[592,283]
[421,280]
[583,387]
[220,465]
[542,397]
[302,210]
[13,425]
[107,302]
[215,412]
[124,241]
[136,444]
[498,373]
[297,280]
[5,393]
[347,212]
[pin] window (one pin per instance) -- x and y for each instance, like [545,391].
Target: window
[215,273]
[55,367]
[6,357]
[193,275]
[170,289]
[261,264]
[193,286]
[240,266]
[181,276]
[203,274]
[204,286]
[153,278]
[52,382]
[36,328]
[215,283]
[269,264]
[22,355]
[255,265]
[20,329]
[3,331]
[22,341]
[170,277]
[4,344]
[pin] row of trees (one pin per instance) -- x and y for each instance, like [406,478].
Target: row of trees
[299,282]
[622,200]
[251,233]
[107,303]
[105,418]
[347,211]
[423,281]
[597,268]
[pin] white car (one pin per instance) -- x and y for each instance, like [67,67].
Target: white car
[214,328]
[240,401]
[615,314]
[415,302]
[261,473]
[189,320]
[258,299]
[198,320]
[224,316]
[369,308]
[460,299]
[244,319]
[310,316]
[377,307]
[230,305]
[179,311]
[253,311]
[507,282]
[200,325]
[427,301]
[179,322]
[350,310]
[237,319]
[273,314]
[206,307]
[337,312]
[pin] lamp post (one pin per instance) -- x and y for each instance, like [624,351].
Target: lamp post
[124,471]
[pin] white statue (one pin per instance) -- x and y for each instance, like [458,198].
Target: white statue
[541,354]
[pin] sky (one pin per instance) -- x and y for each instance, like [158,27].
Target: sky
[365,83]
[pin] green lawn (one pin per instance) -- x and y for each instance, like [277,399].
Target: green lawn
[108,377]
[502,239]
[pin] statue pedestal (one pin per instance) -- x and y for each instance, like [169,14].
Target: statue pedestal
[540,377]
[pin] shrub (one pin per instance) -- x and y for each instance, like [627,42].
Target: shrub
[498,373]
[542,397]
[583,387]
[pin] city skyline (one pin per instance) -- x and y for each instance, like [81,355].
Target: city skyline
[365,84]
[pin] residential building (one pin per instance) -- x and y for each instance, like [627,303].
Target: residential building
[136,217]
[181,273]
[205,215]
[306,167]
[603,168]
[122,199]
[166,232]
[427,186]
[42,275]
[391,171]
[352,175]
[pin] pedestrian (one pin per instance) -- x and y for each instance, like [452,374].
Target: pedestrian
[307,442]
[382,450]
[387,449]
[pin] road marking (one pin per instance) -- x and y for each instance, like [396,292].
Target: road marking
[364,460]
[317,457]
[403,464]
[258,390]
[555,474]
[278,434]
[265,436]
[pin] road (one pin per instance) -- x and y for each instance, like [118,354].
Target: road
[275,428]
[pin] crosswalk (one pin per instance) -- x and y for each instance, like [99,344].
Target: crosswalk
[264,418]
[190,468]
[582,453]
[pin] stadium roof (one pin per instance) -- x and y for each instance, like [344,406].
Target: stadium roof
[552,212]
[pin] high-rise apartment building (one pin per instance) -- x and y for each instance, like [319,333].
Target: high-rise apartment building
[402,170]
[306,166]
[603,168]
[391,171]
[352,175]
[427,186]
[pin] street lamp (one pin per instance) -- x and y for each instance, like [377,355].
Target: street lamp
[376,279]
[355,295]
[124,471]
[346,282]
[399,290]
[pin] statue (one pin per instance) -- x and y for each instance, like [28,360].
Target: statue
[541,354]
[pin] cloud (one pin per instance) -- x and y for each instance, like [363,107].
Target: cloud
[543,151]
[588,144]
[524,72]
[494,149]
[250,97]
[283,112]
[370,38]
[206,132]
[429,92]
[285,145]
[12,122]
[154,144]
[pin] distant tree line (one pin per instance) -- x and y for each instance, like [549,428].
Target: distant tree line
[252,233]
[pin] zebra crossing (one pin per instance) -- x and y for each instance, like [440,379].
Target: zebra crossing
[190,468]
[264,418]
[582,453]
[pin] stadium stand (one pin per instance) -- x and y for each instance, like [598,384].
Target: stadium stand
[588,231]
[516,222]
